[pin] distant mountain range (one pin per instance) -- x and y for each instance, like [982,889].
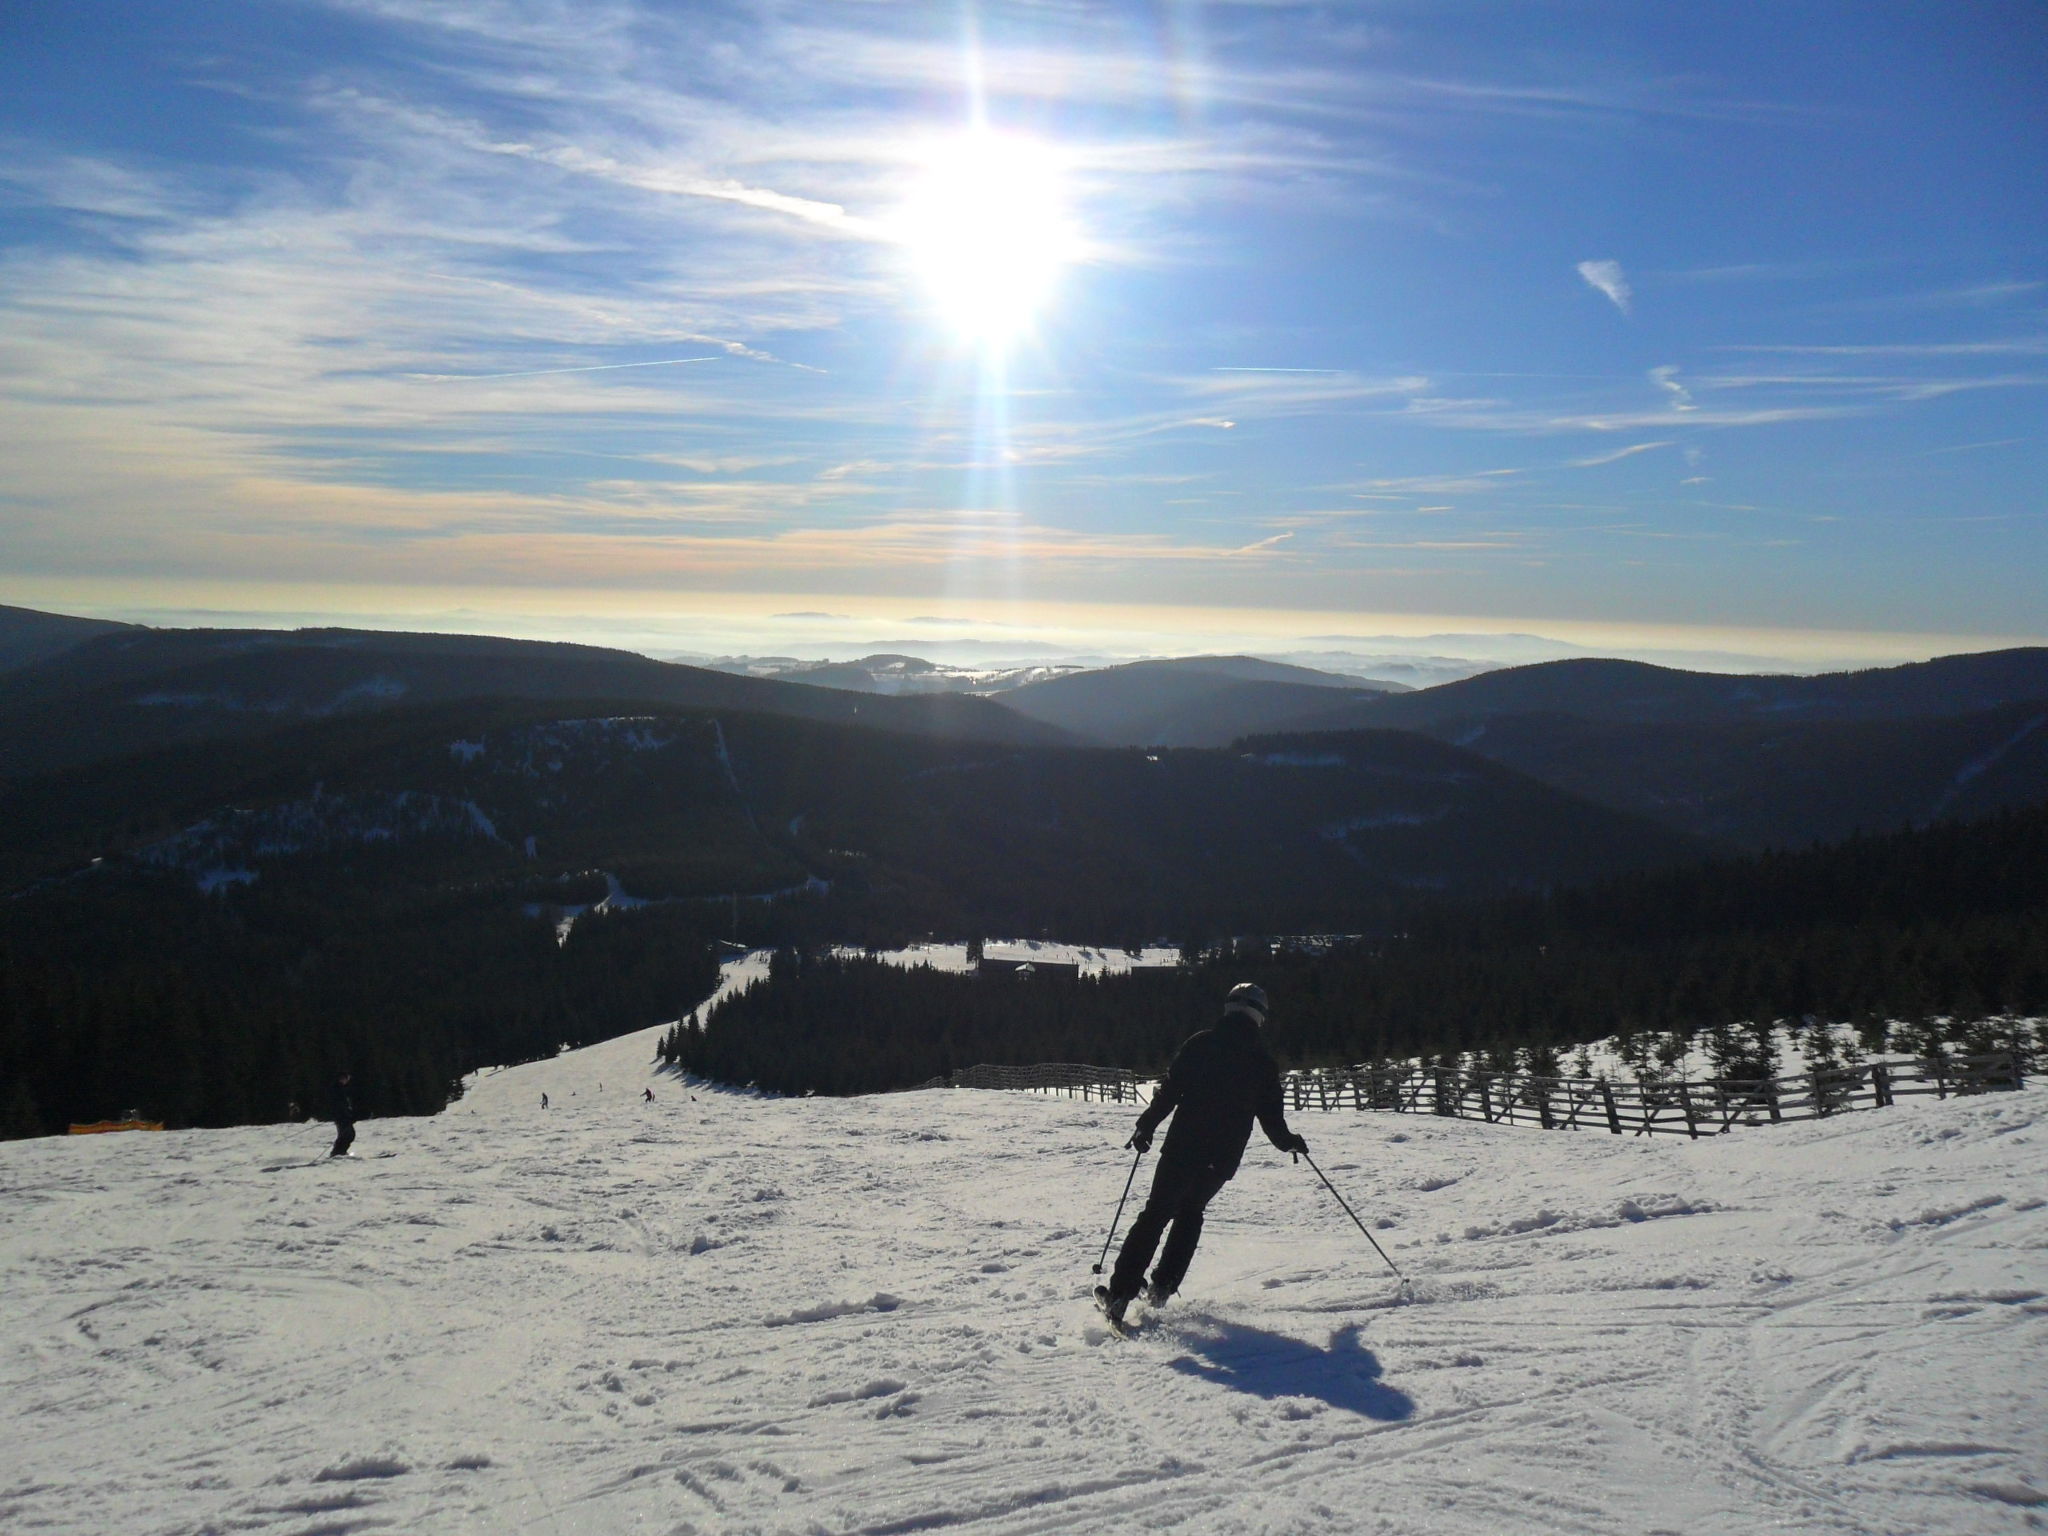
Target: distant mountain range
[889,672]
[1753,761]
[1740,760]
[1637,692]
[133,690]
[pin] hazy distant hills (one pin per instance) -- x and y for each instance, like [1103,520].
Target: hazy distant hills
[1195,701]
[890,672]
[1638,692]
[27,636]
[137,689]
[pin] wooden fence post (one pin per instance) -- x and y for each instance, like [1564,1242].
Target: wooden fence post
[1692,1125]
[1607,1098]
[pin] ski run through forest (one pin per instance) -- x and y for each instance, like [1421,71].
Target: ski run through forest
[720,1312]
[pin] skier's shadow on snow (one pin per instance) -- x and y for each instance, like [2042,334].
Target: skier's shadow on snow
[1346,1375]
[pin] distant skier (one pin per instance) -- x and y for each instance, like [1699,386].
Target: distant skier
[1220,1081]
[647,1094]
[344,1115]
[543,1101]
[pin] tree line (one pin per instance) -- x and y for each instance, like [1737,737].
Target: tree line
[1912,940]
[133,992]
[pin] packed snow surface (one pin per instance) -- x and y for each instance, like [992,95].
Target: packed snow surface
[720,1312]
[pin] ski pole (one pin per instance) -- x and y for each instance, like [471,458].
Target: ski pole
[1110,1236]
[1376,1248]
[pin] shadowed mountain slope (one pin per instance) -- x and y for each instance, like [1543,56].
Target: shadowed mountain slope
[1599,689]
[917,831]
[136,690]
[1195,701]
[1781,785]
[27,636]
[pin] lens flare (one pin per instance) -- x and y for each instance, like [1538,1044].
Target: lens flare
[988,229]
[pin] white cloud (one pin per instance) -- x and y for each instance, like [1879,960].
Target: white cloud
[2029,346]
[1606,277]
[1666,379]
[1618,454]
[1264,544]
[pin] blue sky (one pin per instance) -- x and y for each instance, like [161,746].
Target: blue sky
[1719,326]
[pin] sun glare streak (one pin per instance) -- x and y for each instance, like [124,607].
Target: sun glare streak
[988,229]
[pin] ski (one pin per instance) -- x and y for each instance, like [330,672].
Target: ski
[1123,1326]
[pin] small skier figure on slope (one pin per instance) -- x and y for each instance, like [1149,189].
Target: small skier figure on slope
[343,1106]
[647,1095]
[1220,1081]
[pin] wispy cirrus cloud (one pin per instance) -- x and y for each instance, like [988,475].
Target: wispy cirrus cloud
[1619,454]
[2020,346]
[545,282]
[1666,379]
[1607,279]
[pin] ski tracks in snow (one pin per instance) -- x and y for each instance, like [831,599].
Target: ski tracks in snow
[870,1317]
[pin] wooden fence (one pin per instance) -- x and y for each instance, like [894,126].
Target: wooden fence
[1564,1103]
[1652,1108]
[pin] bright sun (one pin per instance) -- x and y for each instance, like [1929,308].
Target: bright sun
[988,228]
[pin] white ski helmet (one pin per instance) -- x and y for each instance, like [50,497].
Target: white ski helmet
[1247,998]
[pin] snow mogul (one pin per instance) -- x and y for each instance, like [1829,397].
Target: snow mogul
[1221,1080]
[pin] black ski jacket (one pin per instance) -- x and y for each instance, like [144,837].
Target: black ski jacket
[1221,1080]
[340,1105]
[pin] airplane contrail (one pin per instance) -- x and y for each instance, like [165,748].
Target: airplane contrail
[535,373]
[1276,370]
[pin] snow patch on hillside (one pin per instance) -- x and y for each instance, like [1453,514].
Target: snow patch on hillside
[1091,960]
[224,848]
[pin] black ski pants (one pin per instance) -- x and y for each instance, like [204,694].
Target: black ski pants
[344,1137]
[1180,1193]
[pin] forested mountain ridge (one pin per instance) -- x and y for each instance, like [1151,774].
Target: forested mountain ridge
[1780,784]
[1191,701]
[139,689]
[1613,690]
[912,831]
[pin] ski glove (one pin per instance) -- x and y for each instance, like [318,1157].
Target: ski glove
[1294,1143]
[1141,1141]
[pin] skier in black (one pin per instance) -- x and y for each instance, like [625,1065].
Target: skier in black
[1221,1080]
[344,1117]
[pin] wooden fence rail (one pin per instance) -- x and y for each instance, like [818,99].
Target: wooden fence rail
[1673,1108]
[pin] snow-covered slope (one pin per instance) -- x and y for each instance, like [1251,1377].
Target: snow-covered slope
[717,1312]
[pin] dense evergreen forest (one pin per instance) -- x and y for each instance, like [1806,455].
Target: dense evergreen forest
[1907,938]
[131,991]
